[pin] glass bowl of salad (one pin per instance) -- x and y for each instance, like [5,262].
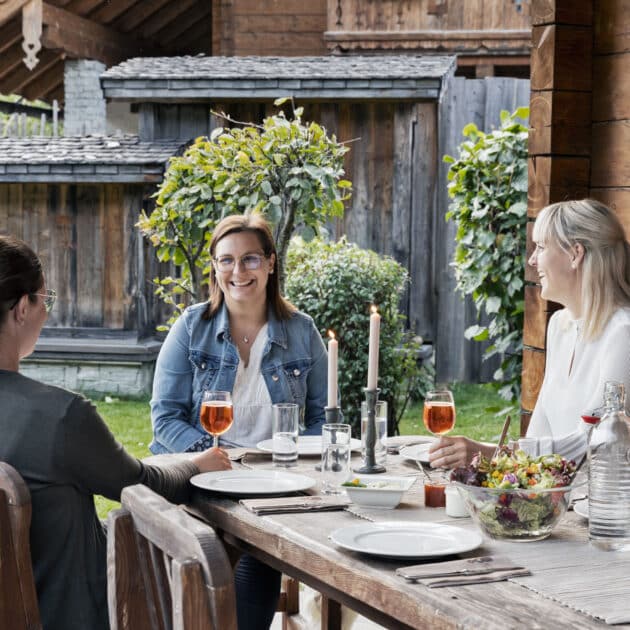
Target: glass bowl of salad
[515,496]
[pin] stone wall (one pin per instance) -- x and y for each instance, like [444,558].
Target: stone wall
[84,110]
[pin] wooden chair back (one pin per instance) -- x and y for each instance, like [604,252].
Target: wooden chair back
[18,598]
[165,569]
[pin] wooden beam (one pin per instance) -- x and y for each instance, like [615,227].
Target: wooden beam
[138,14]
[45,83]
[107,13]
[11,60]
[197,14]
[21,77]
[162,18]
[9,8]
[82,7]
[10,34]
[85,39]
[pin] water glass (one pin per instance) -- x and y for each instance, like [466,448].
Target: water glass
[285,425]
[336,450]
[380,449]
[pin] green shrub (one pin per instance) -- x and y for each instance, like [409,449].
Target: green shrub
[488,185]
[336,284]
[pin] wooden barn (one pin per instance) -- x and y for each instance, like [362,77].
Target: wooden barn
[579,141]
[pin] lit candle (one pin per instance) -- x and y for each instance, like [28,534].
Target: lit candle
[375,330]
[333,347]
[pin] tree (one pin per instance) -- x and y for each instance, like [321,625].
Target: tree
[289,170]
[488,186]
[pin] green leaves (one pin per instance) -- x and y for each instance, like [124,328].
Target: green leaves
[488,186]
[290,171]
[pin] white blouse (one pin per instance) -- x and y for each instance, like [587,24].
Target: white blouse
[575,374]
[250,399]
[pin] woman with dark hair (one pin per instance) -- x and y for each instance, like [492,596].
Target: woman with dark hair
[64,451]
[583,261]
[248,340]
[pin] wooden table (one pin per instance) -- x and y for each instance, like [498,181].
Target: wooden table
[298,545]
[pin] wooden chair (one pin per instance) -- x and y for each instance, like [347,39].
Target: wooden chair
[165,569]
[18,598]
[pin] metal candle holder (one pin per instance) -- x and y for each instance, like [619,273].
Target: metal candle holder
[370,466]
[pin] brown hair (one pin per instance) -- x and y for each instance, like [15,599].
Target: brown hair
[20,273]
[255,224]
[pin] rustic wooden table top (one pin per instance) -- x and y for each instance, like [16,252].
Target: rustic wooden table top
[572,584]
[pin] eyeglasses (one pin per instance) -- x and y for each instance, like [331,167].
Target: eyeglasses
[50,298]
[249,261]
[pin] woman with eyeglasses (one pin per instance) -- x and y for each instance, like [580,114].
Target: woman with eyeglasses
[250,341]
[64,451]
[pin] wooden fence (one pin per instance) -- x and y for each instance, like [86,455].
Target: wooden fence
[21,125]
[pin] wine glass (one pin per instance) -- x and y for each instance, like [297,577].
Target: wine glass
[215,414]
[438,414]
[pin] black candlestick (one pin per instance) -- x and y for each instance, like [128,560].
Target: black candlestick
[370,466]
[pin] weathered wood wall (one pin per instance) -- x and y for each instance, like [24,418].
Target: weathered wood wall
[273,27]
[579,140]
[91,251]
[400,193]
[493,29]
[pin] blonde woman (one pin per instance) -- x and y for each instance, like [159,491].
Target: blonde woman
[583,262]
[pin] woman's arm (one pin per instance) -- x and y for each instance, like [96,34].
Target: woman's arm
[171,402]
[316,383]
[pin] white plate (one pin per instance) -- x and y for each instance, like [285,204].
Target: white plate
[252,483]
[581,508]
[397,539]
[382,492]
[307,445]
[417,452]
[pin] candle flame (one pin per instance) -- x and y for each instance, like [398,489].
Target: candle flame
[331,334]
[374,308]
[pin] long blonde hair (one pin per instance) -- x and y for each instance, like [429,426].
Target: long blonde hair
[606,263]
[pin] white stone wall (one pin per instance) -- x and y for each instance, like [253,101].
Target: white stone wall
[129,380]
[84,109]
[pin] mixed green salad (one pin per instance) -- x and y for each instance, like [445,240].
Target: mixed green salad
[512,493]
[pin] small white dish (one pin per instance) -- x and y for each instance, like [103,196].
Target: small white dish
[581,508]
[417,452]
[398,539]
[381,492]
[252,483]
[308,445]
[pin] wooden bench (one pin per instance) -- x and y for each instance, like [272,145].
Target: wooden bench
[165,569]
[18,598]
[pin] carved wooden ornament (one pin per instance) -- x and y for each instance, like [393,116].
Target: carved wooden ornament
[32,32]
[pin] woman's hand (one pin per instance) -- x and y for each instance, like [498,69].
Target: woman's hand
[212,459]
[452,452]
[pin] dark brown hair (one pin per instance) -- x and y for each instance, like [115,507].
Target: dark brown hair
[20,273]
[255,224]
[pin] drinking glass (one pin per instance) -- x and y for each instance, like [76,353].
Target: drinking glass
[285,423]
[216,414]
[335,456]
[439,411]
[380,449]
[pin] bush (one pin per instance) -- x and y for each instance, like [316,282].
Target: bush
[488,185]
[336,284]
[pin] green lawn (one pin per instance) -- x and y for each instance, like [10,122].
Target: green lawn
[130,422]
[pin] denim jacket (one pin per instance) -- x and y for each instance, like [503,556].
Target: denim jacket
[199,354]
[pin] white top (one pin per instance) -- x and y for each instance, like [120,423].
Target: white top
[575,373]
[251,400]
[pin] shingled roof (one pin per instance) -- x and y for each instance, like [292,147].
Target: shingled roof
[84,159]
[254,78]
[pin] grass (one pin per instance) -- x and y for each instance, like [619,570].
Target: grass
[129,421]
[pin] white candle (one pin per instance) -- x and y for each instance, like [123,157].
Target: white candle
[333,347]
[375,330]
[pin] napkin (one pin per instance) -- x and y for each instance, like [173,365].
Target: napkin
[287,505]
[459,572]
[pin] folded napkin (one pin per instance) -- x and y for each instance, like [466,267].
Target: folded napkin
[287,505]
[461,572]
[395,442]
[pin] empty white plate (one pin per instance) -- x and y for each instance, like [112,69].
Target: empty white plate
[417,452]
[252,483]
[308,445]
[397,539]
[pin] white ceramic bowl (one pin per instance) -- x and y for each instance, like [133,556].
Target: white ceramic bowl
[380,491]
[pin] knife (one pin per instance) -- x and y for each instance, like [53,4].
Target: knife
[494,576]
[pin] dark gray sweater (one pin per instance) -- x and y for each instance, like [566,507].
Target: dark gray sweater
[66,454]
